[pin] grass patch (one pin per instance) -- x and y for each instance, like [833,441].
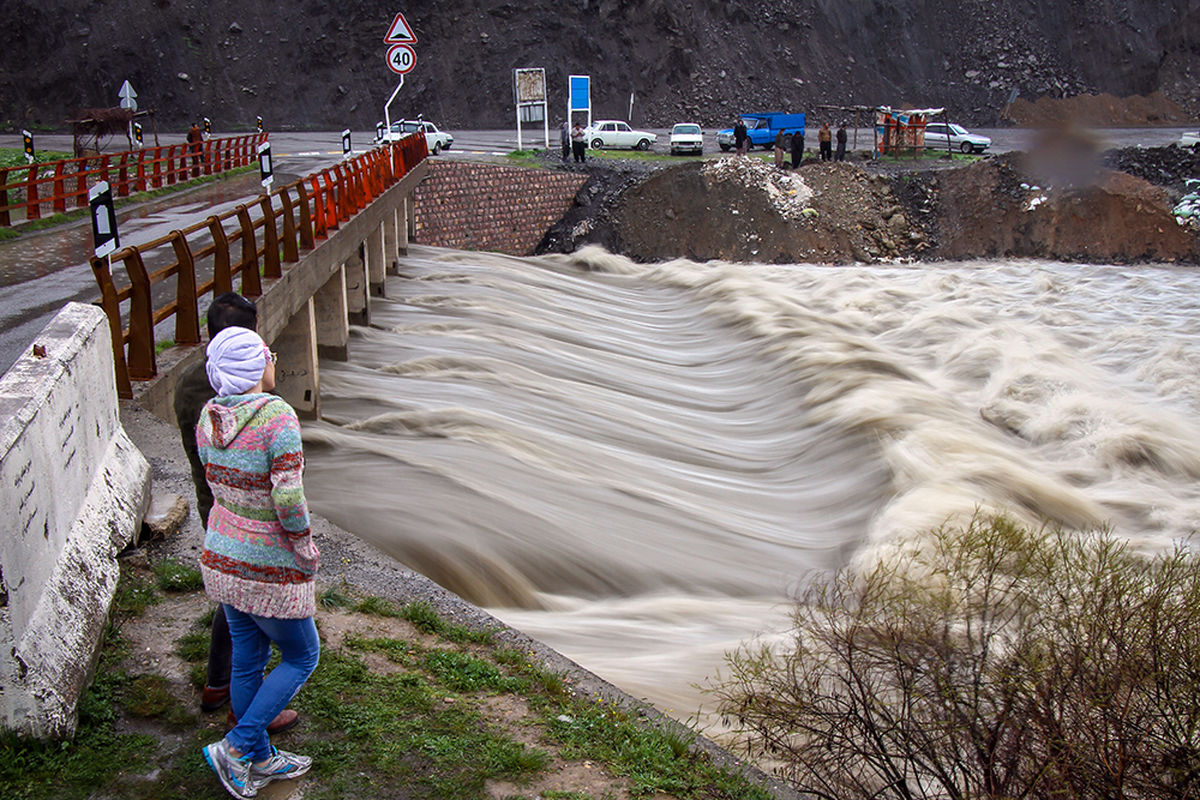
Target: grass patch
[335,597]
[420,730]
[165,344]
[173,576]
[15,156]
[526,158]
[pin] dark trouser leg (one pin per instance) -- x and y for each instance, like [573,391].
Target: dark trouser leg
[566,148]
[220,651]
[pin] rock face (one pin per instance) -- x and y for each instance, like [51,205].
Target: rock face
[321,65]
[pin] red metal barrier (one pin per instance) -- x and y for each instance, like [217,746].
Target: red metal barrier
[58,186]
[308,210]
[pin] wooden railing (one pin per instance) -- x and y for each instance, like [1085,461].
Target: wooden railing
[56,186]
[229,248]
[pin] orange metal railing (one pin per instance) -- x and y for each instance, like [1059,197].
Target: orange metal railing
[202,258]
[56,186]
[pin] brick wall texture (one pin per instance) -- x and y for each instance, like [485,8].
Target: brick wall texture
[487,207]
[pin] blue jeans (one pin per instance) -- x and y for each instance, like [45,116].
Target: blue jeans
[257,700]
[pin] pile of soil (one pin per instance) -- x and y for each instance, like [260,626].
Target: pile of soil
[1168,167]
[1098,111]
[745,210]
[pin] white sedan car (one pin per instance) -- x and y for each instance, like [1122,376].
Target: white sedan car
[436,141]
[959,138]
[687,137]
[614,133]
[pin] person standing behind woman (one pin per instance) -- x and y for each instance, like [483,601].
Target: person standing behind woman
[259,559]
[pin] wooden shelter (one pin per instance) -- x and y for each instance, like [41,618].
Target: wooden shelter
[94,127]
[900,131]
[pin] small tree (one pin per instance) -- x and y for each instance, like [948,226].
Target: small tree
[990,660]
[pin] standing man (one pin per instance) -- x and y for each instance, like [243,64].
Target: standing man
[194,138]
[841,143]
[781,145]
[797,147]
[564,136]
[739,136]
[191,393]
[578,145]
[825,141]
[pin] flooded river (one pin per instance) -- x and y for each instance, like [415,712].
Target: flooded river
[639,465]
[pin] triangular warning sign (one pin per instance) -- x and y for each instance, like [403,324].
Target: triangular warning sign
[400,32]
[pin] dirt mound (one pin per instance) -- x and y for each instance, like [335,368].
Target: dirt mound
[740,209]
[1098,111]
[1168,167]
[989,209]
[743,209]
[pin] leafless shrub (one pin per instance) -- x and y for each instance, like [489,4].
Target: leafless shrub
[992,661]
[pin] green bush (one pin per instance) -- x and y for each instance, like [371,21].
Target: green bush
[991,661]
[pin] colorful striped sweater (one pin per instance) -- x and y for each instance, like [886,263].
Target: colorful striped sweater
[259,556]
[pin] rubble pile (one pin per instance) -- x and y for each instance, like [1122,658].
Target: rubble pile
[786,191]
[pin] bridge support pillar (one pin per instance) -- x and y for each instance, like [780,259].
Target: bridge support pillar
[375,265]
[296,378]
[358,304]
[391,249]
[332,321]
[404,225]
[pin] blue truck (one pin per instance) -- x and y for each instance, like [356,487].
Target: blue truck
[761,129]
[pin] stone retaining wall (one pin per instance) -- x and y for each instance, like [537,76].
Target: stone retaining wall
[490,207]
[73,490]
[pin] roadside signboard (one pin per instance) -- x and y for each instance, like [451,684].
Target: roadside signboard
[27,143]
[137,133]
[379,131]
[579,96]
[258,123]
[104,220]
[529,87]
[266,169]
[346,143]
[401,58]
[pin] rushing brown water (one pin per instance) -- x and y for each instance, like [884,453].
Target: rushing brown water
[639,465]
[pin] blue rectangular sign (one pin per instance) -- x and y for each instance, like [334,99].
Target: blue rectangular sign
[580,86]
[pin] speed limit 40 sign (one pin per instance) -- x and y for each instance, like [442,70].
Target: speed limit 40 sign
[401,58]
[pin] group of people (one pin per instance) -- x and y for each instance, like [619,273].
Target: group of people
[259,559]
[793,143]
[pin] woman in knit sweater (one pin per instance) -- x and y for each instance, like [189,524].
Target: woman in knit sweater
[259,558]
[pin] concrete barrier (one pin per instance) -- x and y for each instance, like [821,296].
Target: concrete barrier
[73,490]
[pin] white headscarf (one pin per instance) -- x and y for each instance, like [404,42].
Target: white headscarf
[237,358]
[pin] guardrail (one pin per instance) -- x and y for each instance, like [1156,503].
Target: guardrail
[293,218]
[59,185]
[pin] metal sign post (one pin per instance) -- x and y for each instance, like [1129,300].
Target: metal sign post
[346,143]
[27,142]
[207,128]
[258,123]
[137,133]
[379,131]
[387,115]
[400,58]
[266,169]
[104,220]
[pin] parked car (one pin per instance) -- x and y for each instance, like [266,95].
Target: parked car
[614,133]
[761,129]
[1190,139]
[687,137]
[435,140]
[937,134]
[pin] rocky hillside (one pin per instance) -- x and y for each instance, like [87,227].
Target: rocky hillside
[318,65]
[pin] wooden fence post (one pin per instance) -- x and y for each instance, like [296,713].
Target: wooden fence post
[187,310]
[141,318]
[248,268]
[271,265]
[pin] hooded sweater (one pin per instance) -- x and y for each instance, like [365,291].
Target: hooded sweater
[259,556]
